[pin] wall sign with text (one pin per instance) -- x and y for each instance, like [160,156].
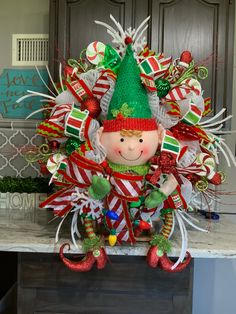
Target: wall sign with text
[14,84]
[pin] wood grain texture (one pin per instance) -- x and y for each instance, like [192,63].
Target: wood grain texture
[205,28]
[127,285]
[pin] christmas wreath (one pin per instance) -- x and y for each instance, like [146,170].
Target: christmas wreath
[127,146]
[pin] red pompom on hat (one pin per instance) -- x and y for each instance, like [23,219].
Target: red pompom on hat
[128,40]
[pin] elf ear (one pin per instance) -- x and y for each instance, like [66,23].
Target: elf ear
[161,133]
[99,134]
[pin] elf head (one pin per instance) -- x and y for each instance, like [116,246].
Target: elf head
[130,135]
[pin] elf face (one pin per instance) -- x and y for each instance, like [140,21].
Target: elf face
[131,148]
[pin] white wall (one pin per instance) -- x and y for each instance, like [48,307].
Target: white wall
[214,289]
[20,17]
[214,286]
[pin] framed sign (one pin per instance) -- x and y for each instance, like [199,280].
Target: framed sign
[14,84]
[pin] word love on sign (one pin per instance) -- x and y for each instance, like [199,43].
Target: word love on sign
[14,84]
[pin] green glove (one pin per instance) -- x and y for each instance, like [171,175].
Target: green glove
[154,199]
[99,188]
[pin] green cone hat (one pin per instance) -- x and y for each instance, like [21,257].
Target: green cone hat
[129,108]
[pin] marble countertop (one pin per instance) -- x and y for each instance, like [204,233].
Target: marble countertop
[31,232]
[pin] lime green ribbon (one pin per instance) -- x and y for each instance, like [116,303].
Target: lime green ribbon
[140,169]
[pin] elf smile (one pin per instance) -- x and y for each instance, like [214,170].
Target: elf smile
[132,159]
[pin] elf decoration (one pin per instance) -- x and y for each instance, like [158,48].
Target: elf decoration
[127,146]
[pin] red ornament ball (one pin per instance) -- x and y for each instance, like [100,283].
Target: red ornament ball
[186,57]
[217,179]
[43,168]
[54,145]
[92,105]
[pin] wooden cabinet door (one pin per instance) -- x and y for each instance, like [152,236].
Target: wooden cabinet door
[206,29]
[203,27]
[72,25]
[126,286]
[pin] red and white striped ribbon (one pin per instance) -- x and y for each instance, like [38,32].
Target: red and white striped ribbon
[102,84]
[125,187]
[60,202]
[79,170]
[59,112]
[178,93]
[165,63]
[123,225]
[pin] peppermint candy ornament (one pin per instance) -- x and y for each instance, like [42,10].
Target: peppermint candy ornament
[53,165]
[54,162]
[95,52]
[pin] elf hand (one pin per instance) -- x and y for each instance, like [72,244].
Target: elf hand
[154,199]
[99,188]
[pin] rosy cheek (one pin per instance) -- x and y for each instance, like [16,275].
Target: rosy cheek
[116,150]
[146,151]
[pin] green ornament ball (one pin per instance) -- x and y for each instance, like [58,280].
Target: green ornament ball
[111,59]
[72,144]
[163,87]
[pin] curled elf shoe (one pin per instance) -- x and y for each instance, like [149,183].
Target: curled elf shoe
[79,266]
[166,264]
[156,257]
[98,256]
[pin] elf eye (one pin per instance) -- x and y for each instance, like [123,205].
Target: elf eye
[122,139]
[141,140]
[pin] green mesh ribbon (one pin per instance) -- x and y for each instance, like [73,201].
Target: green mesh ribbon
[140,169]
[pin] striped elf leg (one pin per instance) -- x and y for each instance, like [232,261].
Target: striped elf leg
[167,226]
[100,256]
[88,224]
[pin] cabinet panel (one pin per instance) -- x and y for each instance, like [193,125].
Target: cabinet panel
[205,28]
[127,285]
[72,26]
[81,27]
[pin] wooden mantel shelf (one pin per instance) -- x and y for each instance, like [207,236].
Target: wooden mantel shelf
[35,234]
